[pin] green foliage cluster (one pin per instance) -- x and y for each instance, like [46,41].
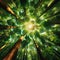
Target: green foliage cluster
[46,14]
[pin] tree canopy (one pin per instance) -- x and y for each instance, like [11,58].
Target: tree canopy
[30,30]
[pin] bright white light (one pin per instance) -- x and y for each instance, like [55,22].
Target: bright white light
[29,26]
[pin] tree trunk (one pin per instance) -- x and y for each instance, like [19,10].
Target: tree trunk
[7,8]
[4,27]
[13,51]
[50,6]
[40,56]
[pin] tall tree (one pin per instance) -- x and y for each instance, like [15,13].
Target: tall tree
[50,6]
[38,51]
[7,8]
[14,50]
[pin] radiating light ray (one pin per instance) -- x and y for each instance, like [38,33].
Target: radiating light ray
[3,46]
